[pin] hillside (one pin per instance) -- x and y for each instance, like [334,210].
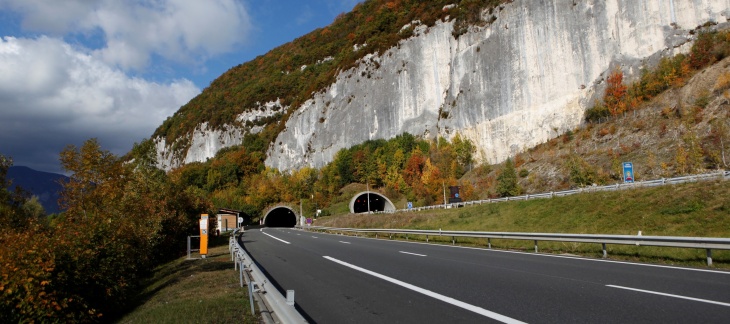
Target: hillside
[684,130]
[44,185]
[504,75]
[288,75]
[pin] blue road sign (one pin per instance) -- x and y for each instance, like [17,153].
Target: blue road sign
[628,172]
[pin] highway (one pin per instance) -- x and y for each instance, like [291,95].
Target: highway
[344,279]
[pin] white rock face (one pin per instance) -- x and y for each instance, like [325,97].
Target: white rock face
[205,143]
[515,83]
[511,85]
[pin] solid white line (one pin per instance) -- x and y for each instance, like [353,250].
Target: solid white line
[344,242]
[670,295]
[274,237]
[452,301]
[412,253]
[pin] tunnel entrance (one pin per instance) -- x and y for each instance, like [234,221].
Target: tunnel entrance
[376,201]
[280,217]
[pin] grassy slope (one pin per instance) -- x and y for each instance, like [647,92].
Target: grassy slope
[695,209]
[194,291]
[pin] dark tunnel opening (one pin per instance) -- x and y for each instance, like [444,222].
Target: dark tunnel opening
[377,203]
[280,217]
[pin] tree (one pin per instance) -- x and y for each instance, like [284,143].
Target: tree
[464,151]
[615,93]
[507,185]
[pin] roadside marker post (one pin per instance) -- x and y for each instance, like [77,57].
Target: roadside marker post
[203,235]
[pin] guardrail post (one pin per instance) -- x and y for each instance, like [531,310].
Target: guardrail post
[605,255]
[240,275]
[535,246]
[250,298]
[709,257]
[453,240]
[489,242]
[426,238]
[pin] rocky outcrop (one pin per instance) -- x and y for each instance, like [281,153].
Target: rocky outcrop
[523,78]
[205,142]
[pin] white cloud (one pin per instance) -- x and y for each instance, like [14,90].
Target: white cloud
[180,30]
[52,95]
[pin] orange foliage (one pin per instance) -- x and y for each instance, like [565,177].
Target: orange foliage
[615,93]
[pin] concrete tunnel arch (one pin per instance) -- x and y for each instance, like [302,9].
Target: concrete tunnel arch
[378,203]
[280,216]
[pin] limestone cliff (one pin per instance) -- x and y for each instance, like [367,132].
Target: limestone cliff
[521,79]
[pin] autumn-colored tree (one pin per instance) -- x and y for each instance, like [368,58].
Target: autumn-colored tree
[414,168]
[121,219]
[615,93]
[701,52]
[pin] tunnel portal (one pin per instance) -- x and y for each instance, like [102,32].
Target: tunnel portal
[280,217]
[377,202]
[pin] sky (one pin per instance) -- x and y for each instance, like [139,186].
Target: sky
[114,70]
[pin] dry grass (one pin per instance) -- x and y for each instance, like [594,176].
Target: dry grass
[697,209]
[194,291]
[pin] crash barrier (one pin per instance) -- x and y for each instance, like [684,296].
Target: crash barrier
[721,175]
[276,308]
[707,243]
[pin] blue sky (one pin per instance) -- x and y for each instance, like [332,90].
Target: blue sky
[114,70]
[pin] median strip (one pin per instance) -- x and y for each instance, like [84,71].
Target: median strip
[452,301]
[670,295]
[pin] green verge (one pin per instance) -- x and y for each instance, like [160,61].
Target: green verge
[194,291]
[700,209]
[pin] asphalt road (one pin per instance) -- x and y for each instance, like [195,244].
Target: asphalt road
[344,279]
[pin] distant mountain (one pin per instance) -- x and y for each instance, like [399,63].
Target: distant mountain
[45,185]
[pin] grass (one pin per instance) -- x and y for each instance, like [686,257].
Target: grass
[194,291]
[699,209]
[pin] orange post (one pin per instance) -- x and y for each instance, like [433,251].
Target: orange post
[203,235]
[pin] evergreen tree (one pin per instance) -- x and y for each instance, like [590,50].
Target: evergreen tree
[507,181]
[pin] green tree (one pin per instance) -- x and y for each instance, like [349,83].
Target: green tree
[507,185]
[464,149]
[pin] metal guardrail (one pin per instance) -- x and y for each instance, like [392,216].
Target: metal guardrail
[281,308]
[724,175]
[707,243]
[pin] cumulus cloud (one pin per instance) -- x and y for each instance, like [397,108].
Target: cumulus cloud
[133,31]
[53,95]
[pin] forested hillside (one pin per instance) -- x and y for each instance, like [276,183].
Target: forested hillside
[672,121]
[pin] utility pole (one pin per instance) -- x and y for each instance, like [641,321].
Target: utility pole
[368,193]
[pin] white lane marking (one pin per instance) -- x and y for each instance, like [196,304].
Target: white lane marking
[670,295]
[412,253]
[344,242]
[559,256]
[315,237]
[274,237]
[452,301]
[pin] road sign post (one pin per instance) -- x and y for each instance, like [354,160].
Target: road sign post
[628,172]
